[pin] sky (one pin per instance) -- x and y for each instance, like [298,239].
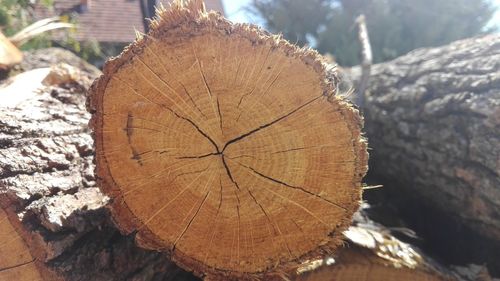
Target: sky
[235,11]
[495,21]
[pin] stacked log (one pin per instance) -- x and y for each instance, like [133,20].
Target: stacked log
[433,122]
[228,151]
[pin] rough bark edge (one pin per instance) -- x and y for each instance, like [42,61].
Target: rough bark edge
[191,15]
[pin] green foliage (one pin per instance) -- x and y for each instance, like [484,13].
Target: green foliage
[395,26]
[297,20]
[16,15]
[88,50]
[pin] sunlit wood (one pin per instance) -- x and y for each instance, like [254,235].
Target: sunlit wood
[226,146]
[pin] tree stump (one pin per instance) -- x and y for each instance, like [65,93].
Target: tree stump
[226,146]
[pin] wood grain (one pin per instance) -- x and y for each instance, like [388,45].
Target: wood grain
[226,146]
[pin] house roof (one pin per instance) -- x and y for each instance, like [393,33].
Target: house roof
[108,20]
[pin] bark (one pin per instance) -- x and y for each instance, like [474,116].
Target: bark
[48,189]
[52,56]
[433,122]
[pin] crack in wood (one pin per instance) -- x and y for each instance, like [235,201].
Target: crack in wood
[291,149]
[187,173]
[269,124]
[182,85]
[190,221]
[197,128]
[198,157]
[168,109]
[220,116]
[159,90]
[147,221]
[229,172]
[207,87]
[263,210]
[258,75]
[292,186]
[274,226]
[241,156]
[215,221]
[17,265]
[265,91]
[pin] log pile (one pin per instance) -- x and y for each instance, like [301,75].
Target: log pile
[222,152]
[433,122]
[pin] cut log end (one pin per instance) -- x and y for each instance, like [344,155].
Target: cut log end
[16,260]
[226,146]
[360,264]
[9,54]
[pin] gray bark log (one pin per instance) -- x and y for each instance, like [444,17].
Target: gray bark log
[432,118]
[47,183]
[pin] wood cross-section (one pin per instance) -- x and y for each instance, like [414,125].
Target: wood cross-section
[16,261]
[226,146]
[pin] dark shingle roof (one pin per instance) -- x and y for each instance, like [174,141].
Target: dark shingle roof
[108,20]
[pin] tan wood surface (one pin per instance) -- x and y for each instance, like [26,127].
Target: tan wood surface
[16,262]
[226,146]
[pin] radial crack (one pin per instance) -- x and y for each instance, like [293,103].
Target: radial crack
[220,116]
[188,173]
[198,157]
[173,112]
[229,173]
[190,221]
[16,266]
[258,75]
[270,123]
[292,186]
[197,128]
[207,87]
[182,85]
[263,211]
[136,156]
[291,149]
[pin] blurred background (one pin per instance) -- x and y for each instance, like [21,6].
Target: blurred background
[104,27]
